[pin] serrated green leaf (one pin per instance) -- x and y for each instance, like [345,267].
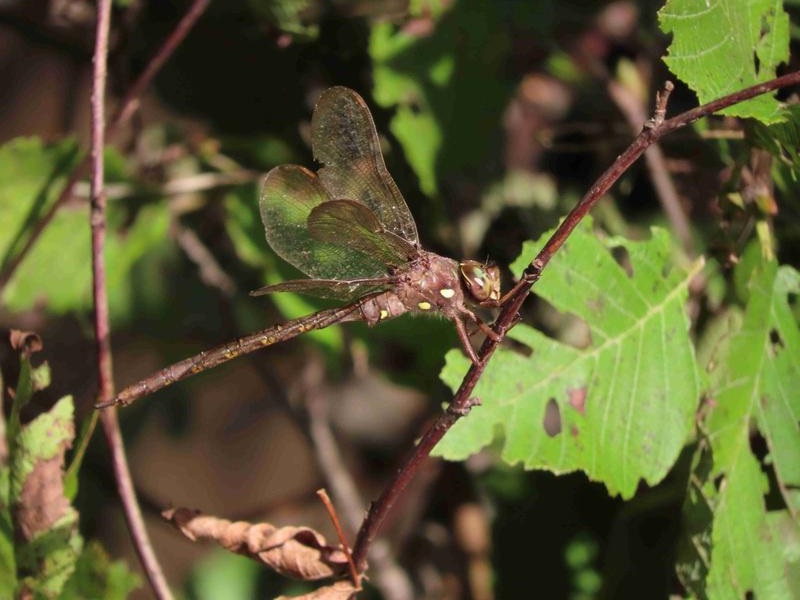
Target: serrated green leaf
[721,46]
[620,409]
[734,547]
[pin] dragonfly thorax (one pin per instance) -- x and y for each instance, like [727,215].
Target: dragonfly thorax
[435,284]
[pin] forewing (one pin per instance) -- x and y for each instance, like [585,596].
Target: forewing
[288,195]
[352,223]
[344,140]
[333,289]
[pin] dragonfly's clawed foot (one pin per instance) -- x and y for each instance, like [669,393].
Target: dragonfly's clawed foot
[489,332]
[461,329]
[473,356]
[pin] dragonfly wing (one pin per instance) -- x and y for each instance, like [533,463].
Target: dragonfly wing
[289,194]
[333,289]
[350,222]
[344,140]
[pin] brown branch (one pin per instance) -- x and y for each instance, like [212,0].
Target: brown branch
[653,130]
[97,216]
[385,573]
[97,220]
[129,103]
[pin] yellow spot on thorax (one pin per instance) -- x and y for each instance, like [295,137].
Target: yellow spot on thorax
[447,293]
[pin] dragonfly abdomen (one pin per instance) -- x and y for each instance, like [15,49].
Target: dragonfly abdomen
[381,307]
[243,345]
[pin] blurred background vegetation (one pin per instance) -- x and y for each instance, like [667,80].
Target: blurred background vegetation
[495,117]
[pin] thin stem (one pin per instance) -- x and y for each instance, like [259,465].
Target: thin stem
[653,130]
[97,215]
[385,573]
[101,321]
[632,108]
[326,501]
[129,103]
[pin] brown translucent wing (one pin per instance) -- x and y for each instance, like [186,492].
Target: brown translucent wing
[354,225]
[289,194]
[333,289]
[344,140]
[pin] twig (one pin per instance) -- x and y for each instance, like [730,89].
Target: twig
[101,322]
[326,501]
[210,271]
[102,328]
[653,131]
[191,184]
[97,217]
[129,103]
[634,113]
[385,573]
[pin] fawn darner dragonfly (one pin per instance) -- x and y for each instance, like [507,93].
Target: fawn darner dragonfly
[348,228]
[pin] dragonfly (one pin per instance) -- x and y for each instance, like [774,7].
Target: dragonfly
[349,229]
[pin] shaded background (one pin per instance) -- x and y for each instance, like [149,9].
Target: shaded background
[495,117]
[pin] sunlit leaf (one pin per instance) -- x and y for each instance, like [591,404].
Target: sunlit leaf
[56,273]
[738,543]
[619,409]
[721,46]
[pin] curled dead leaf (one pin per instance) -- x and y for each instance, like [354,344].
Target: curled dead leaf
[297,552]
[341,590]
[25,342]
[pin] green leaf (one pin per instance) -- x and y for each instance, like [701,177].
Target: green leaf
[444,87]
[223,574]
[736,544]
[782,140]
[723,46]
[41,550]
[96,576]
[298,17]
[45,524]
[619,409]
[32,177]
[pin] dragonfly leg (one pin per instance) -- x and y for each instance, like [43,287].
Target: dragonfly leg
[462,335]
[487,331]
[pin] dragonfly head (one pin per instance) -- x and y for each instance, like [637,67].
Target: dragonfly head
[482,281]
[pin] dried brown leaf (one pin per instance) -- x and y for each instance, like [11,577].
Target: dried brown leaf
[42,503]
[341,590]
[297,552]
[26,342]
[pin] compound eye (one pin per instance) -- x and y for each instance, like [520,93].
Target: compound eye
[482,281]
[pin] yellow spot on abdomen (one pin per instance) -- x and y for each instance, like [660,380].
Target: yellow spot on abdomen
[447,293]
[383,314]
[424,305]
